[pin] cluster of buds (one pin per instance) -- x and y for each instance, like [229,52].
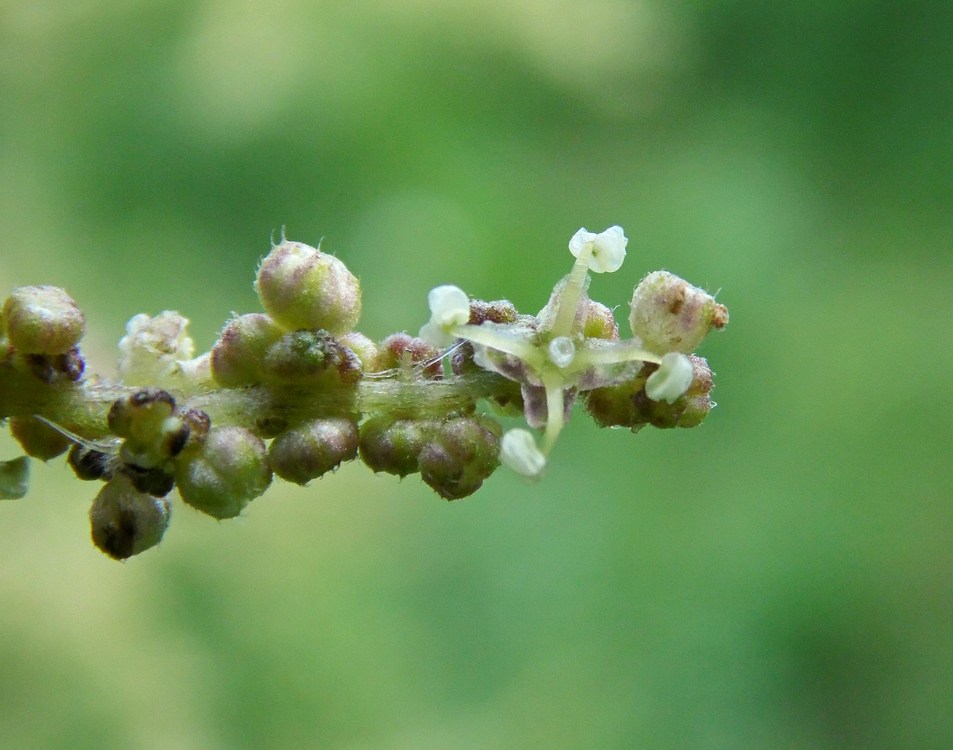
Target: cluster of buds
[294,391]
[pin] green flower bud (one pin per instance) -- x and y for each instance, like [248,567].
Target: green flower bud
[392,445]
[600,323]
[38,439]
[311,450]
[303,356]
[126,521]
[240,349]
[89,464]
[365,349]
[301,287]
[460,456]
[670,315]
[43,320]
[229,470]
[154,432]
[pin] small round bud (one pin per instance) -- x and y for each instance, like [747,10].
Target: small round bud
[497,311]
[154,432]
[303,356]
[126,521]
[38,439]
[301,287]
[229,470]
[365,349]
[600,323]
[392,445]
[461,455]
[670,315]
[311,450]
[240,349]
[89,464]
[43,320]
[402,351]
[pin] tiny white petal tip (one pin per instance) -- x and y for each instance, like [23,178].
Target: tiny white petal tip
[519,452]
[608,248]
[449,307]
[671,380]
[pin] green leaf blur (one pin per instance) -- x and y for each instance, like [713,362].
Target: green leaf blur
[781,577]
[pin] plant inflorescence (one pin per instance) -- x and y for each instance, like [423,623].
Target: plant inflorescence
[296,390]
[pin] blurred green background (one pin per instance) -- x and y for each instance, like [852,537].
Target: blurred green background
[781,577]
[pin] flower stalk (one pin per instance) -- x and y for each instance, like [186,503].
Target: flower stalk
[296,390]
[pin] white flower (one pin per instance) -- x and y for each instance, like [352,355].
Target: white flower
[518,450]
[449,307]
[154,348]
[670,381]
[607,248]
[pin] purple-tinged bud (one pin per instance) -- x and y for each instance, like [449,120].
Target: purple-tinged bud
[301,287]
[42,320]
[310,450]
[497,311]
[403,351]
[126,521]
[392,445]
[89,464]
[229,470]
[460,456]
[240,350]
[38,439]
[303,356]
[670,315]
[627,405]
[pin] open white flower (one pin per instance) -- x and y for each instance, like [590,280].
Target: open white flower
[449,307]
[519,452]
[670,381]
[607,248]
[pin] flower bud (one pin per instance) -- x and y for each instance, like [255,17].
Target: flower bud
[126,521]
[154,432]
[365,349]
[240,349]
[42,320]
[301,287]
[229,470]
[402,351]
[627,405]
[392,445]
[157,481]
[303,356]
[38,439]
[460,456]
[670,315]
[312,449]
[600,323]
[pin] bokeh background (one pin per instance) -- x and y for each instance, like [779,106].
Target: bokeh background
[781,577]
